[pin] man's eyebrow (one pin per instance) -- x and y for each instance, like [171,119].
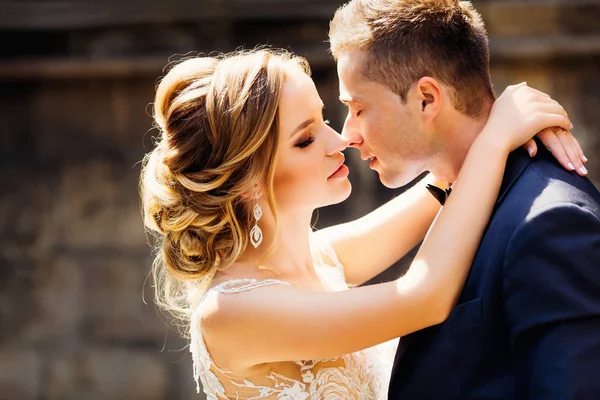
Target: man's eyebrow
[302,126]
[345,99]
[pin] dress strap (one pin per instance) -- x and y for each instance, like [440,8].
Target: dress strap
[324,249]
[242,285]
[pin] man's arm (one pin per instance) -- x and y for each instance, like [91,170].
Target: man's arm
[552,303]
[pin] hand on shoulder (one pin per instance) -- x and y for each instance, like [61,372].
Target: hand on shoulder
[522,112]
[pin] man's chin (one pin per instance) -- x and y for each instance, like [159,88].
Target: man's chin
[395,181]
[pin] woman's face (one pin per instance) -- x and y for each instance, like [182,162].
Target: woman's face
[309,172]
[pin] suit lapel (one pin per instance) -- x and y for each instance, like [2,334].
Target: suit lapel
[517,162]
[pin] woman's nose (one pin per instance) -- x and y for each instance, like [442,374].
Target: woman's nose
[337,143]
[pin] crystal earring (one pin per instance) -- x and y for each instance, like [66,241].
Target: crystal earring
[256,235]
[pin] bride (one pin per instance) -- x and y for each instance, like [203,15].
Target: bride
[243,159]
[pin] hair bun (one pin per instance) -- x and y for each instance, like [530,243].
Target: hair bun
[218,139]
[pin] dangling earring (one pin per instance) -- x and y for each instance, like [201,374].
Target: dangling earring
[256,235]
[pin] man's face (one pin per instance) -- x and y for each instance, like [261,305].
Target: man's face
[386,131]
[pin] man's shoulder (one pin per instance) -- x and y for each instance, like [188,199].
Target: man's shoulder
[544,183]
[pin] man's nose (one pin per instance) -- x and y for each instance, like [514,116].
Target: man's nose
[351,131]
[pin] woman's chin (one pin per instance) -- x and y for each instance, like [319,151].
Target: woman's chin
[341,195]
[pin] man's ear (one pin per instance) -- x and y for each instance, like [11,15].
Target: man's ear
[429,94]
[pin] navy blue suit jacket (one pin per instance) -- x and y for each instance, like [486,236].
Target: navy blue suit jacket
[527,324]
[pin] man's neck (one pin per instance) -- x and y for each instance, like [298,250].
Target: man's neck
[459,135]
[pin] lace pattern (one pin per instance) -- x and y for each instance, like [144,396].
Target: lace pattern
[361,375]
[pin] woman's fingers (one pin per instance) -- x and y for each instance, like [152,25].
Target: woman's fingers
[540,93]
[531,147]
[513,88]
[553,107]
[540,112]
[563,148]
[579,149]
[572,149]
[545,120]
[553,143]
[548,137]
[545,103]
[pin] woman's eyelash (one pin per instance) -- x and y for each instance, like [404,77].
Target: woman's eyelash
[305,143]
[311,139]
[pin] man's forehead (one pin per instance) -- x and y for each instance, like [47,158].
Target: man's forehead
[350,62]
[351,79]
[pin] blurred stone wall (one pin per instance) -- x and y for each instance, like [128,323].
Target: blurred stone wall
[76,83]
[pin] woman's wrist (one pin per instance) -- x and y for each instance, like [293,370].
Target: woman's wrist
[491,144]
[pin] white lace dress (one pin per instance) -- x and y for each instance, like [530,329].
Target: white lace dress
[362,375]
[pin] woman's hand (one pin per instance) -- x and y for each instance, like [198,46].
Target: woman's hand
[522,112]
[563,146]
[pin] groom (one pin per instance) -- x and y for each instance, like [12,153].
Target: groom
[415,76]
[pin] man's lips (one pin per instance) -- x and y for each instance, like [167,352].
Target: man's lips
[367,157]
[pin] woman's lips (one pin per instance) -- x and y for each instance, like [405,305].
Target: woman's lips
[341,172]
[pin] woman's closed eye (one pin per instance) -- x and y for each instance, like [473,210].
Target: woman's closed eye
[305,143]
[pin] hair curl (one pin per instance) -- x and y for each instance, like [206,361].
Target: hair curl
[217,118]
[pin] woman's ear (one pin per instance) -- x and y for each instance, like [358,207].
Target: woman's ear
[246,196]
[257,191]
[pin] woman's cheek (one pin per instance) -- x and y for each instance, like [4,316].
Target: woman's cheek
[296,183]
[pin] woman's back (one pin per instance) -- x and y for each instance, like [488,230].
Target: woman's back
[360,375]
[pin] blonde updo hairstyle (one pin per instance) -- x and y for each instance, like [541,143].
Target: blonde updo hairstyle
[217,118]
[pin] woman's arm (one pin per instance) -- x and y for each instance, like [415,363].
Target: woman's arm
[389,232]
[392,230]
[284,323]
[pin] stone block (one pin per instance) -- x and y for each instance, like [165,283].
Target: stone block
[114,125]
[20,376]
[57,301]
[62,375]
[127,375]
[117,289]
[25,204]
[17,295]
[116,374]
[182,377]
[97,207]
[509,18]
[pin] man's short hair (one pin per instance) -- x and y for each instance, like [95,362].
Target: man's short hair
[405,40]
